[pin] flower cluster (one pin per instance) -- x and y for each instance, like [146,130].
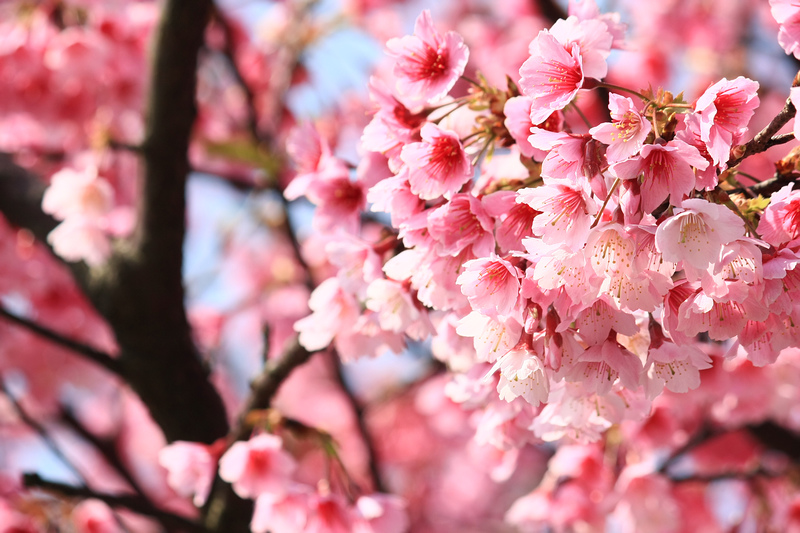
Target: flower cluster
[572,266]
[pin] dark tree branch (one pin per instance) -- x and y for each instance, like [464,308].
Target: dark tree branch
[140,290]
[42,431]
[224,509]
[550,9]
[21,199]
[101,358]
[133,503]
[765,138]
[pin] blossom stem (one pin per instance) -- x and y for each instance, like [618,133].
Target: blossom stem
[605,203]
[622,89]
[580,113]
[471,81]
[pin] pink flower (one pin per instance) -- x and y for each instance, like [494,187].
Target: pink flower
[725,108]
[333,311]
[329,514]
[664,170]
[191,467]
[257,467]
[460,223]
[491,284]
[313,159]
[522,374]
[437,166]
[518,123]
[515,219]
[397,310]
[566,211]
[696,234]
[552,76]
[492,337]
[787,14]
[80,238]
[281,513]
[427,63]
[560,59]
[600,366]
[626,133]
[780,222]
[77,193]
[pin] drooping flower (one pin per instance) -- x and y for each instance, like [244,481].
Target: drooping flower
[626,132]
[492,285]
[437,166]
[780,222]
[460,223]
[665,170]
[522,374]
[428,64]
[257,466]
[696,234]
[191,467]
[725,109]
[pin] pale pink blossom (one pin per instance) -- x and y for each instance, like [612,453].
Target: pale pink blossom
[257,467]
[313,160]
[492,337]
[722,318]
[588,9]
[787,14]
[664,170]
[518,123]
[571,157]
[81,193]
[515,219]
[593,39]
[329,513]
[333,311]
[695,235]
[602,364]
[80,238]
[381,513]
[491,284]
[191,467]
[522,374]
[397,310]
[725,109]
[626,132]
[285,512]
[427,64]
[437,166]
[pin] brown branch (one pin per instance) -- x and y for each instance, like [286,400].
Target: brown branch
[92,354]
[765,138]
[133,503]
[224,509]
[140,290]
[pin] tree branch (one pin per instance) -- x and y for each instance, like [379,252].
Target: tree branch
[140,290]
[766,138]
[101,358]
[133,503]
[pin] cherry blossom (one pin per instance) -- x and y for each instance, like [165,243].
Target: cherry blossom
[258,466]
[427,63]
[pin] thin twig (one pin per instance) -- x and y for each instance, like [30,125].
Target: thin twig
[133,503]
[42,431]
[93,354]
[358,410]
[105,448]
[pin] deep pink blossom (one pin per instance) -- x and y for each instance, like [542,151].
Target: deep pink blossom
[491,284]
[437,166]
[665,170]
[725,109]
[460,223]
[428,64]
[565,210]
